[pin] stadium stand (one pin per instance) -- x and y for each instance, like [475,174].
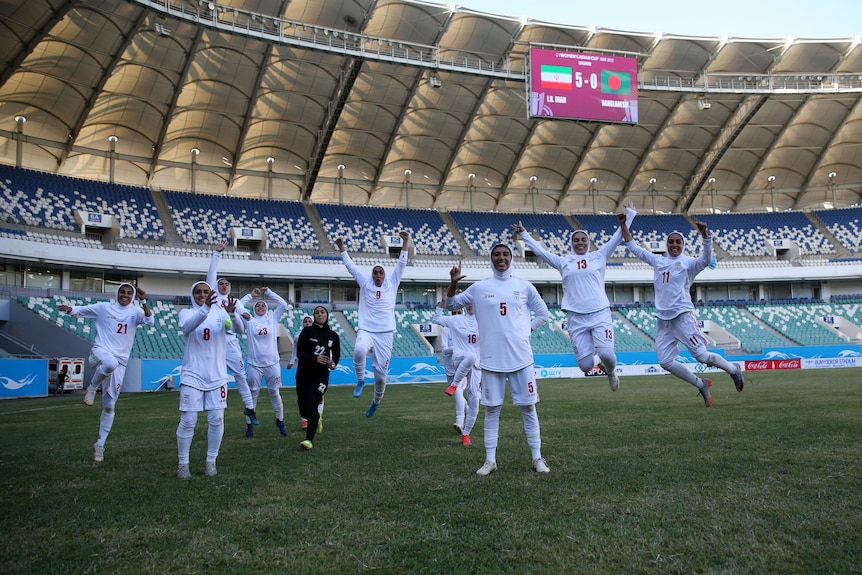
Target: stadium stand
[362,227]
[752,334]
[601,228]
[46,200]
[406,343]
[482,231]
[641,317]
[207,219]
[845,224]
[746,234]
[798,322]
[656,228]
[76,240]
[628,339]
[550,338]
[292,320]
[849,309]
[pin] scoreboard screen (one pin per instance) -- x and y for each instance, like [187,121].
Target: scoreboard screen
[581,86]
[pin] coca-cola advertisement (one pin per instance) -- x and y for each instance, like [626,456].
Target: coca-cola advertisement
[764,364]
[758,365]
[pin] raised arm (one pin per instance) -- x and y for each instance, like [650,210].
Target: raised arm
[212,272]
[148,313]
[552,260]
[438,317]
[348,263]
[611,245]
[190,319]
[402,257]
[405,240]
[624,228]
[455,276]
[280,304]
[706,254]
[246,299]
[235,310]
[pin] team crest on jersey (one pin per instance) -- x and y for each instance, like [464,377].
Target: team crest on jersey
[516,294]
[329,344]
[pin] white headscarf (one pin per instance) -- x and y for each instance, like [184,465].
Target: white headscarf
[505,274]
[117,296]
[680,234]
[572,237]
[192,292]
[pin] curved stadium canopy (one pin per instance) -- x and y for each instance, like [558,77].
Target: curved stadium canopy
[338,101]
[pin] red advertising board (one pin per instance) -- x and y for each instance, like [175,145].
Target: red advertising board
[582,86]
[764,364]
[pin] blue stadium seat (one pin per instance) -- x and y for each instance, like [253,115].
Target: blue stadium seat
[362,227]
[746,234]
[207,219]
[845,224]
[482,231]
[47,200]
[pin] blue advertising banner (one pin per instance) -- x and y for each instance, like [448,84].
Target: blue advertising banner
[160,374]
[23,378]
[156,373]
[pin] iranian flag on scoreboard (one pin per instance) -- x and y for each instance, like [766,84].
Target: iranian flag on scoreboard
[556,77]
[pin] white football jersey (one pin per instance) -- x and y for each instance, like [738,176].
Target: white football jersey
[673,277]
[262,331]
[377,304]
[502,308]
[205,356]
[463,332]
[115,326]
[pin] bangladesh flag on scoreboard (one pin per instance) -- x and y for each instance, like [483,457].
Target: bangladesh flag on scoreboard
[616,83]
[556,77]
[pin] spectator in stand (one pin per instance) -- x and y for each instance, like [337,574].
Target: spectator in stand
[203,384]
[376,330]
[116,324]
[263,361]
[673,275]
[503,305]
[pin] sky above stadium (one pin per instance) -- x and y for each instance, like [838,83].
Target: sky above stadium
[739,18]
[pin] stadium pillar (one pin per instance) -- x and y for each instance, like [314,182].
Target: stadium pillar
[112,156]
[19,139]
[195,152]
[269,162]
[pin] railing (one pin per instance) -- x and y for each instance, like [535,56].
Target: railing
[293,33]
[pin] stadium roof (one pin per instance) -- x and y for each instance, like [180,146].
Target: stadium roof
[342,97]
